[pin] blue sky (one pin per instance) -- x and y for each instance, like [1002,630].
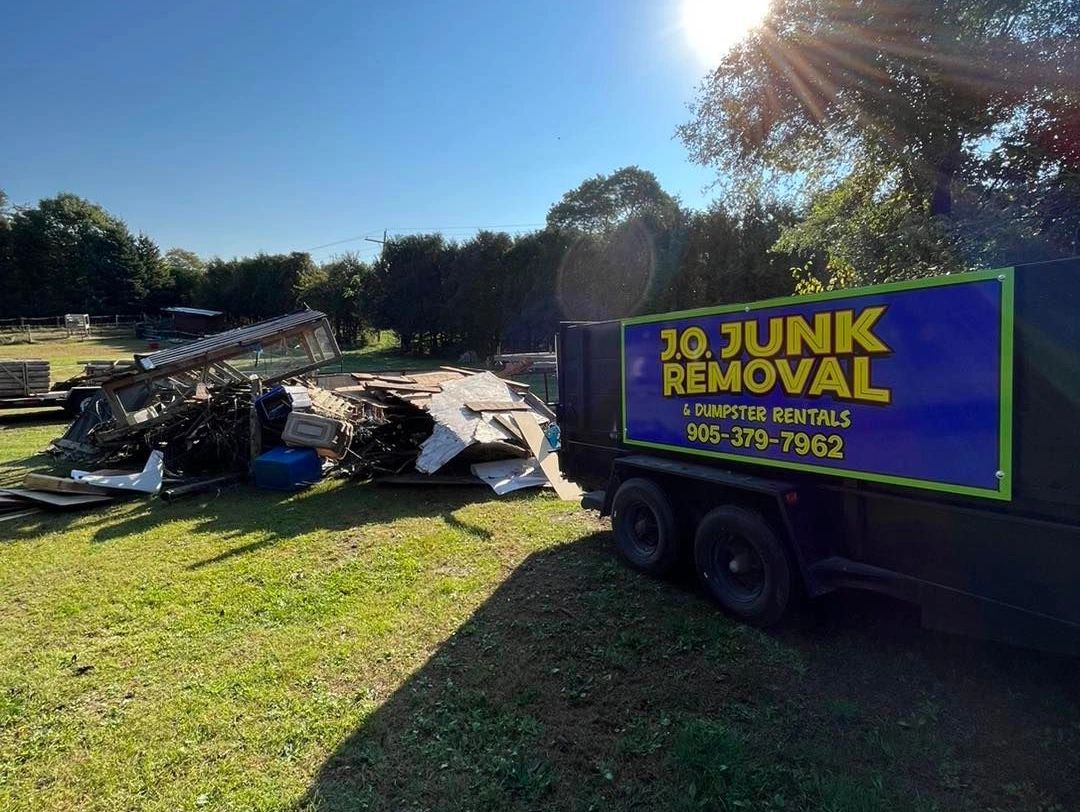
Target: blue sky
[235,127]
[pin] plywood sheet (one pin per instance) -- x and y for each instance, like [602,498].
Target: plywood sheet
[59,484]
[545,455]
[59,501]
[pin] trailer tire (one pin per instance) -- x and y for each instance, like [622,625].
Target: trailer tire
[644,525]
[74,403]
[743,565]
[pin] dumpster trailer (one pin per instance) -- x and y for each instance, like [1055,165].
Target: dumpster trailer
[918,439]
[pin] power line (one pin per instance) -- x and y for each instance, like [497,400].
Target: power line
[371,234]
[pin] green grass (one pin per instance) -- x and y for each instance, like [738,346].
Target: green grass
[64,355]
[351,647]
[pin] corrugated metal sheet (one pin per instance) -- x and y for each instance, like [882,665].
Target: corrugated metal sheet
[192,311]
[238,338]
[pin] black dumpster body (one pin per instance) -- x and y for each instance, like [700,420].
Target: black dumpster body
[1005,568]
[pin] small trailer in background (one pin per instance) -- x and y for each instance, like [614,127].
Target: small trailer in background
[25,384]
[917,439]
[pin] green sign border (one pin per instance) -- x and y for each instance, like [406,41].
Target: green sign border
[1005,365]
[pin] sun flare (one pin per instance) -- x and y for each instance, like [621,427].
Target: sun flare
[713,26]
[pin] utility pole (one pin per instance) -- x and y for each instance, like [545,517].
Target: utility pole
[381,242]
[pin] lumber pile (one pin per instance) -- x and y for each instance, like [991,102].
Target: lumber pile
[20,378]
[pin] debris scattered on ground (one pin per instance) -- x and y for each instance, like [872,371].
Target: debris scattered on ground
[248,402]
[56,501]
[148,480]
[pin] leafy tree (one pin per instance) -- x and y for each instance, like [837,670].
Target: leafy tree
[729,258]
[475,292]
[70,255]
[342,290]
[602,203]
[628,237]
[529,311]
[408,284]
[879,111]
[6,269]
[259,287]
[154,276]
[187,275]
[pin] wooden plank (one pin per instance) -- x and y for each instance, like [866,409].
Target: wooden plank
[59,484]
[506,420]
[463,370]
[496,406]
[436,377]
[10,503]
[545,455]
[403,387]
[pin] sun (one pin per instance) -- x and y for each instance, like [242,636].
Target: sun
[713,26]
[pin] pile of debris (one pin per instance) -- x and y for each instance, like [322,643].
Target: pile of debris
[247,402]
[459,426]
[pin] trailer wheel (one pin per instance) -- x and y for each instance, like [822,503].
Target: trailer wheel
[744,565]
[644,525]
[75,400]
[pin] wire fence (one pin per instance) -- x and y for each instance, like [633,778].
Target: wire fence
[29,329]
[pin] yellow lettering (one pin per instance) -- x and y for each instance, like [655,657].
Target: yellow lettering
[851,331]
[862,387]
[695,378]
[669,337]
[793,381]
[674,378]
[732,331]
[830,378]
[817,338]
[725,379]
[759,386]
[776,337]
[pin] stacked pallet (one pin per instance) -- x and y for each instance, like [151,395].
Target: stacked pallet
[20,378]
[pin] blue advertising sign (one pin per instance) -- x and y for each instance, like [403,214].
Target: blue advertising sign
[907,383]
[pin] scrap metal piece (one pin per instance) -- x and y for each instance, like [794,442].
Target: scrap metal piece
[146,481]
[457,427]
[506,476]
[271,350]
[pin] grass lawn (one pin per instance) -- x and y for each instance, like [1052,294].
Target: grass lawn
[355,647]
[64,355]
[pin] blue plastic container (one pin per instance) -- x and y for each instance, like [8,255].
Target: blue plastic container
[287,469]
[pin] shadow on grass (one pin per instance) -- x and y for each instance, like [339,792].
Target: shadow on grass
[19,418]
[582,685]
[270,516]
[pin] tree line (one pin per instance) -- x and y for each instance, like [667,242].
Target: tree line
[617,244]
[855,142]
